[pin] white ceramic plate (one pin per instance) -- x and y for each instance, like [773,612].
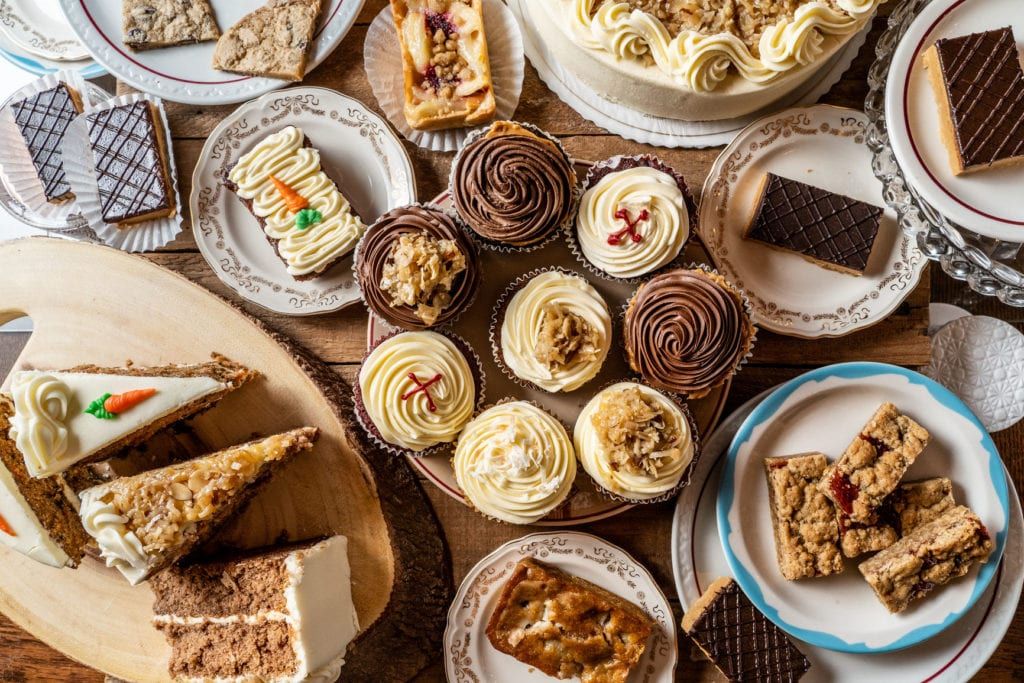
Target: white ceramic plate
[39,26]
[470,658]
[823,146]
[987,202]
[357,149]
[185,73]
[823,410]
[25,60]
[952,656]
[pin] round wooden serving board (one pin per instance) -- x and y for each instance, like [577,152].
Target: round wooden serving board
[92,304]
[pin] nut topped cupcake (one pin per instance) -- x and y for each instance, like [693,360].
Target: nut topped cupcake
[416,390]
[417,268]
[635,442]
[634,217]
[687,331]
[515,462]
[513,185]
[554,332]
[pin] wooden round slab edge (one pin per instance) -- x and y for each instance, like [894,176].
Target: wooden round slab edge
[407,632]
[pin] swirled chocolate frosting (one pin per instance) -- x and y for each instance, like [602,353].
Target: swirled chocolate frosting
[686,331]
[376,248]
[513,187]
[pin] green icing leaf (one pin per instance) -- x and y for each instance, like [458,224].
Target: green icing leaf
[308,217]
[96,408]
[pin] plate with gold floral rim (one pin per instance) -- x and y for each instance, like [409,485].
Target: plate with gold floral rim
[469,655]
[822,146]
[40,27]
[358,150]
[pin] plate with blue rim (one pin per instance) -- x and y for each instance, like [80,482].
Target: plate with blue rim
[824,410]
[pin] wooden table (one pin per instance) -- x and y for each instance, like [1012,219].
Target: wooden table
[339,340]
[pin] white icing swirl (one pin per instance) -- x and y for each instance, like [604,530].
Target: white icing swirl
[283,156]
[38,426]
[670,464]
[119,546]
[636,190]
[524,318]
[385,377]
[515,462]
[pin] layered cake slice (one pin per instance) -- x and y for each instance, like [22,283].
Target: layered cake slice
[280,615]
[149,24]
[300,208]
[88,413]
[978,83]
[274,41]
[146,522]
[908,507]
[42,120]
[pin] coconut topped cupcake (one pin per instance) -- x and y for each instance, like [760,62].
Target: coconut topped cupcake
[512,185]
[555,331]
[634,442]
[417,267]
[515,462]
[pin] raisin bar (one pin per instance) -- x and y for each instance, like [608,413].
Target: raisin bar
[873,465]
[804,521]
[910,506]
[739,640]
[931,555]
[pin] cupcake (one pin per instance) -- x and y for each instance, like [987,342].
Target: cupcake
[515,462]
[687,331]
[634,217]
[513,185]
[416,390]
[417,268]
[554,332]
[635,442]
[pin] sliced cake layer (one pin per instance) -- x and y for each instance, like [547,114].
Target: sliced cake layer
[148,521]
[149,24]
[274,41]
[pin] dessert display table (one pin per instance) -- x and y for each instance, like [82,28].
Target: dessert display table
[339,339]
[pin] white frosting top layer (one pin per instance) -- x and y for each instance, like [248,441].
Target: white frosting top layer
[22,530]
[283,156]
[524,317]
[52,430]
[701,62]
[635,192]
[515,462]
[118,544]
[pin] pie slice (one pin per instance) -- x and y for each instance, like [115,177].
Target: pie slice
[149,521]
[149,24]
[273,41]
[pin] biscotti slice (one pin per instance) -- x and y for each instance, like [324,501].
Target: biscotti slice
[873,465]
[740,641]
[149,24]
[89,413]
[274,41]
[146,522]
[283,614]
[43,119]
[567,627]
[930,556]
[804,521]
[909,506]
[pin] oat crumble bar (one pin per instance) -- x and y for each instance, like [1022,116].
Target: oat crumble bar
[909,506]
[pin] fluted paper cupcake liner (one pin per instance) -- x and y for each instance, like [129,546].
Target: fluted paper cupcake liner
[382,56]
[363,418]
[80,168]
[622,163]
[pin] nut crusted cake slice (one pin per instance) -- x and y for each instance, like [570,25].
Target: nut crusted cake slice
[148,521]
[148,24]
[273,41]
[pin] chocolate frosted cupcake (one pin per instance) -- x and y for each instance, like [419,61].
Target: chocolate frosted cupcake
[513,185]
[417,268]
[687,331]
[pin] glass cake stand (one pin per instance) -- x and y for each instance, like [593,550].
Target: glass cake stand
[989,266]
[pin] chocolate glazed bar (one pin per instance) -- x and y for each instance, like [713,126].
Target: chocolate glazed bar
[43,119]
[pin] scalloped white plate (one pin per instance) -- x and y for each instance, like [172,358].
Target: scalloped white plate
[39,26]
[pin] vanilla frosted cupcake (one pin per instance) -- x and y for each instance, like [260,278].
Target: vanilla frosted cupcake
[417,390]
[554,332]
[635,442]
[515,462]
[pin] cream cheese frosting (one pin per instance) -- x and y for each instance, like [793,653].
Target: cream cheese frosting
[418,389]
[523,328]
[515,462]
[23,531]
[283,155]
[633,222]
[667,465]
[119,546]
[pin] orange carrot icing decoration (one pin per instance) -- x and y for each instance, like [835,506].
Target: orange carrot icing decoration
[292,199]
[5,527]
[109,406]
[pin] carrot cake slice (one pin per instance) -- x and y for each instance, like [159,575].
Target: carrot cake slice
[146,522]
[284,614]
[88,413]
